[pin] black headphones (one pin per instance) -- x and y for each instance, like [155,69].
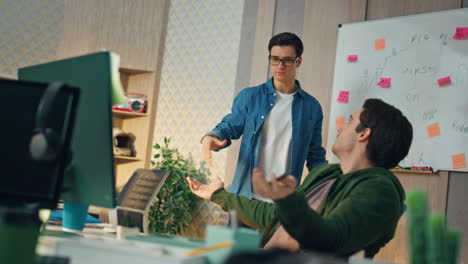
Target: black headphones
[45,143]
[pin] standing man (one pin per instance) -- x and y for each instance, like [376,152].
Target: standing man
[280,123]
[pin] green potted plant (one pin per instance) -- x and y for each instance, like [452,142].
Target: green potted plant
[171,213]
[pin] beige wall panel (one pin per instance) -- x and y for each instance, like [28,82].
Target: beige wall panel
[135,30]
[153,104]
[77,29]
[263,34]
[129,28]
[385,8]
[391,8]
[321,20]
[426,6]
[139,83]
[436,186]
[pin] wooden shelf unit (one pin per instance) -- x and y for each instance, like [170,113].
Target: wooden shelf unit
[125,114]
[138,124]
[128,71]
[119,158]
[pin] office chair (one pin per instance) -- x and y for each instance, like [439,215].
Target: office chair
[136,198]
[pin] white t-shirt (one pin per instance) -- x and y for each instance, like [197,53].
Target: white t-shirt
[274,156]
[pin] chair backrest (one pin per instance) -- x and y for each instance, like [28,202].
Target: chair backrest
[141,189]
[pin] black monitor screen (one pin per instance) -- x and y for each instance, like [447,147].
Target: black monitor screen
[24,180]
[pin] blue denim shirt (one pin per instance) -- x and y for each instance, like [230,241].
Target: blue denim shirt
[249,110]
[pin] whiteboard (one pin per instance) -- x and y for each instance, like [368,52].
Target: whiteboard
[419,50]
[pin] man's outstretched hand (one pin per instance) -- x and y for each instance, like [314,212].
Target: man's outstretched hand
[204,190]
[275,189]
[210,143]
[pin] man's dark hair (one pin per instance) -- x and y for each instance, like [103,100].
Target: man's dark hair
[391,133]
[287,39]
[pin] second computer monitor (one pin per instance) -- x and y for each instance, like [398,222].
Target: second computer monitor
[91,179]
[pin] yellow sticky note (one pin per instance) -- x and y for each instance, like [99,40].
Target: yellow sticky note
[433,130]
[459,161]
[379,44]
[340,120]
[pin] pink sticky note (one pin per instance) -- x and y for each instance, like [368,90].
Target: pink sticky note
[352,57]
[444,81]
[461,33]
[385,82]
[343,97]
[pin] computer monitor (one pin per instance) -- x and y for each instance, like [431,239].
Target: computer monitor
[91,181]
[26,181]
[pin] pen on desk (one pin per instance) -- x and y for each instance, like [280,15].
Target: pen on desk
[202,250]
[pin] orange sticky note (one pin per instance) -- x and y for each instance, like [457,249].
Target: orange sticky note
[343,97]
[340,120]
[379,44]
[459,161]
[433,130]
[461,33]
[385,82]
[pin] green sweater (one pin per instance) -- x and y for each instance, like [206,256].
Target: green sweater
[361,211]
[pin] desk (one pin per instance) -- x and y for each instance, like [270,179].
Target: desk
[94,246]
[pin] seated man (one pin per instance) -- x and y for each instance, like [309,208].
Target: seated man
[341,208]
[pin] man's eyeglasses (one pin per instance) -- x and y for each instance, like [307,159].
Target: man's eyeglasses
[286,62]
